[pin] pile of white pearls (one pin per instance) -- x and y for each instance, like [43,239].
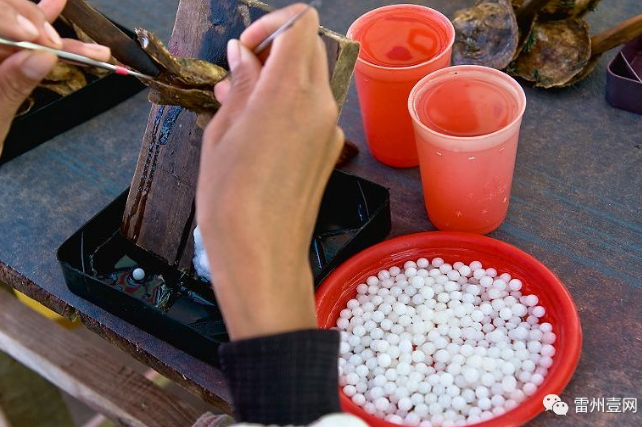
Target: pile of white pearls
[435,344]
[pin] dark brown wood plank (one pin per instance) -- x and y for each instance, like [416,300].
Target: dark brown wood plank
[103,31]
[160,209]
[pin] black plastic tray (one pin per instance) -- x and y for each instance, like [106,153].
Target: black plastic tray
[354,214]
[53,114]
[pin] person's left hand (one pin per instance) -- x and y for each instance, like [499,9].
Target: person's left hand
[21,71]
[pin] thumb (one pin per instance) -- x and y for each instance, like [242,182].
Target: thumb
[19,76]
[245,70]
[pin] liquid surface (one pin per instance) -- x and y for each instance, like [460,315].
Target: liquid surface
[400,38]
[466,107]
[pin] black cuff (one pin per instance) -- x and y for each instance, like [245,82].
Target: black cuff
[283,379]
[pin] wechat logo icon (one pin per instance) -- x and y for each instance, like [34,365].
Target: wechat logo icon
[552,402]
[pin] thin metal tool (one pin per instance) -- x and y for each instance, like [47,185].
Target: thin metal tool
[266,43]
[123,71]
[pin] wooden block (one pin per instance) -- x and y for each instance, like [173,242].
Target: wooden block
[159,216]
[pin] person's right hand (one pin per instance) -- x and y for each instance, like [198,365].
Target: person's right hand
[265,161]
[22,70]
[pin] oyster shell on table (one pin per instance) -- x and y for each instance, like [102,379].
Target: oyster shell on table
[563,9]
[557,52]
[486,34]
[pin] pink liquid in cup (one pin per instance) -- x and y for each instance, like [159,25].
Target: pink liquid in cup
[400,44]
[467,120]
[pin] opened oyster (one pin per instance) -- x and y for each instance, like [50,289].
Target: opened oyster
[64,79]
[557,51]
[185,82]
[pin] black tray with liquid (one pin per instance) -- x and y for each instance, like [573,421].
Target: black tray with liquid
[53,114]
[97,262]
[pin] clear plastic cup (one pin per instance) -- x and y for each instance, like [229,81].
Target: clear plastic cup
[467,120]
[400,44]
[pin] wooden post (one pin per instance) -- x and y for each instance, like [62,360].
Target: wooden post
[159,216]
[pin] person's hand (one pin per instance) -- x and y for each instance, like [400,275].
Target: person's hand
[266,158]
[22,70]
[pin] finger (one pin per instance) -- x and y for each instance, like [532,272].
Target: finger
[319,69]
[293,51]
[16,25]
[6,52]
[245,68]
[338,142]
[92,50]
[19,76]
[52,8]
[47,34]
[221,90]
[267,24]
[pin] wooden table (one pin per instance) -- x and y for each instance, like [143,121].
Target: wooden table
[576,205]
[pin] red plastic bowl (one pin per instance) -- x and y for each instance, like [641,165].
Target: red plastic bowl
[340,287]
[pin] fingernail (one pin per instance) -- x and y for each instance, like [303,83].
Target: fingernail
[98,50]
[52,34]
[27,26]
[34,68]
[233,53]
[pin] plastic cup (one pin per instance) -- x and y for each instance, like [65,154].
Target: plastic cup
[400,44]
[467,120]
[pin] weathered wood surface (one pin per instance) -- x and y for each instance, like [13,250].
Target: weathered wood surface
[84,372]
[159,215]
[576,205]
[27,399]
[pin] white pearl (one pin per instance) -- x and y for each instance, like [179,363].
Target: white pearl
[423,263]
[506,313]
[400,308]
[433,335]
[138,274]
[530,300]
[349,390]
[359,399]
[371,281]
[539,311]
[549,338]
[404,404]
[546,362]
[548,350]
[529,389]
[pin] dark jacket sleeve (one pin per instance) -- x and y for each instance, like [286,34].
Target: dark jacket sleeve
[284,379]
